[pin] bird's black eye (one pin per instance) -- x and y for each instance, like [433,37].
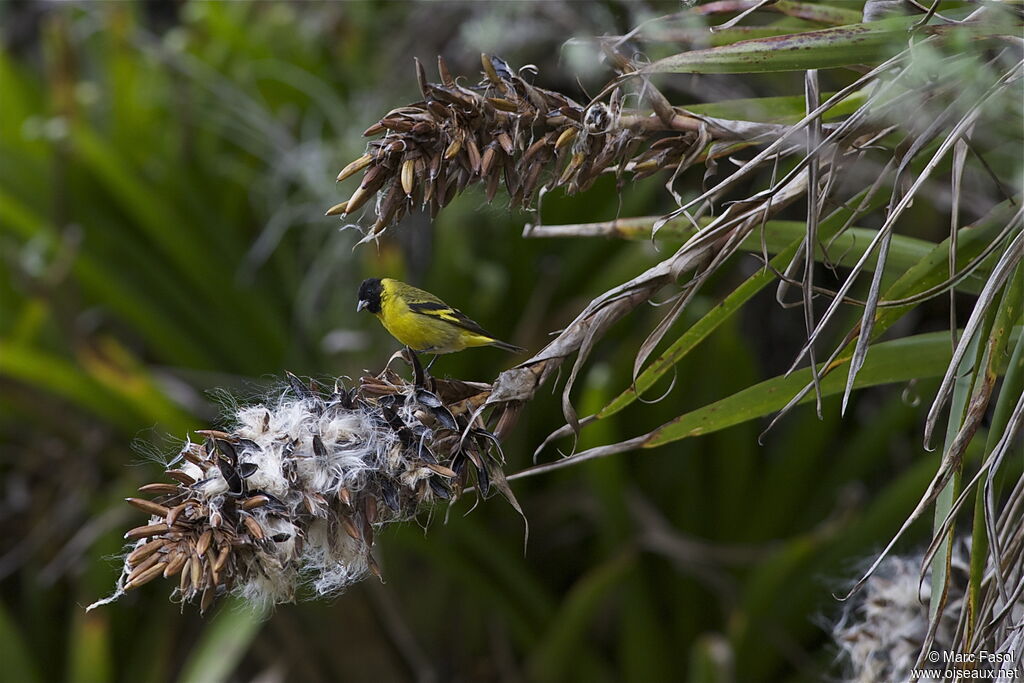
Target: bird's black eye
[369,294]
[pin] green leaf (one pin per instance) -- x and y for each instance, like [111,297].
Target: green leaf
[901,360]
[865,43]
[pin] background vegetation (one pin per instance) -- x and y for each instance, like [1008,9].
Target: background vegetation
[164,169]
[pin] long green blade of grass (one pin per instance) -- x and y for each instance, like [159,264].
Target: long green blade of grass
[864,43]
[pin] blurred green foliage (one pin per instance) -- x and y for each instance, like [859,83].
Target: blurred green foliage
[164,169]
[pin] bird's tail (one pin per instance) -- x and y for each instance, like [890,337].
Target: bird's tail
[507,347]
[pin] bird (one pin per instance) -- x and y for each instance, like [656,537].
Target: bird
[421,321]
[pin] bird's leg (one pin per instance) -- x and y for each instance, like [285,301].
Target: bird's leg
[419,374]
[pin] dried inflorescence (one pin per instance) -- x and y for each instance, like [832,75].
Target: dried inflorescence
[885,626]
[502,131]
[292,494]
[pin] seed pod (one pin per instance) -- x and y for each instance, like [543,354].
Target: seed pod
[174,513]
[145,577]
[574,163]
[408,179]
[442,71]
[421,78]
[357,199]
[375,129]
[159,488]
[147,506]
[174,565]
[254,528]
[145,565]
[474,155]
[350,528]
[185,582]
[567,136]
[143,551]
[204,542]
[255,502]
[180,476]
[502,104]
[453,149]
[537,146]
[442,470]
[399,125]
[222,558]
[506,142]
[337,209]
[195,569]
[488,159]
[145,531]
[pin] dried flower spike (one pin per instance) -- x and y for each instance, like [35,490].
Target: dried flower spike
[293,493]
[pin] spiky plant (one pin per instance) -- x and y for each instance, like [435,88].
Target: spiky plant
[935,98]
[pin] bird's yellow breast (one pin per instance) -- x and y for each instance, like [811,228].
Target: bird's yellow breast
[419,332]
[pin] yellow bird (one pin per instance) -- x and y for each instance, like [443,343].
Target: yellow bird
[420,320]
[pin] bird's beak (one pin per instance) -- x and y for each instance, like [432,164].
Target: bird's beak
[363,303]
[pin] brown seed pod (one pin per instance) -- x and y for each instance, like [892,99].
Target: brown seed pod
[204,542]
[141,578]
[159,488]
[145,531]
[408,179]
[337,209]
[143,551]
[473,153]
[254,502]
[195,571]
[175,563]
[254,528]
[147,506]
[181,477]
[565,137]
[355,167]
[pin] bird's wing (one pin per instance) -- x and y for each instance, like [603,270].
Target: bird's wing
[439,309]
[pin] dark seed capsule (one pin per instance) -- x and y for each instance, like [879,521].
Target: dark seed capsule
[319,449]
[247,469]
[483,480]
[440,488]
[298,386]
[280,538]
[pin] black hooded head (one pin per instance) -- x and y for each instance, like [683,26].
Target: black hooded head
[369,295]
